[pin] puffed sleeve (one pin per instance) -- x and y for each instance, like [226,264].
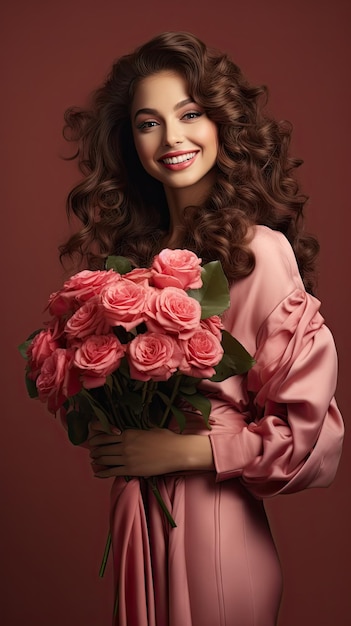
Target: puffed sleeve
[292,437]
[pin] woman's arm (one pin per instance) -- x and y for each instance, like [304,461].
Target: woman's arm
[294,439]
[147,452]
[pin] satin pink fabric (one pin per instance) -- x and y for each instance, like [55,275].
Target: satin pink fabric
[276,430]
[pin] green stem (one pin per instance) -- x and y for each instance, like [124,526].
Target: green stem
[115,608]
[131,420]
[118,384]
[151,387]
[112,406]
[105,556]
[155,490]
[171,400]
[143,394]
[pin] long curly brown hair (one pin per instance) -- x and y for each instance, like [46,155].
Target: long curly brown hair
[123,210]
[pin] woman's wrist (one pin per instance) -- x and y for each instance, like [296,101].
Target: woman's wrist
[196,453]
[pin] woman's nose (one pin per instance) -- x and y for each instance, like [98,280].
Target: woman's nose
[172,134]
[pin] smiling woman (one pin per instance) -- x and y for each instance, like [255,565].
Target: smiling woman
[177,151]
[176,142]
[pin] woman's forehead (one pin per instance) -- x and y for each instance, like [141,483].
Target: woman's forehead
[166,88]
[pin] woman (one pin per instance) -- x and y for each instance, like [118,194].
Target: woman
[177,151]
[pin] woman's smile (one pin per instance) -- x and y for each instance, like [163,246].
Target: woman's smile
[178,160]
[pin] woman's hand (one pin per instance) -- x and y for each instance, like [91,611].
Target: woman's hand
[151,452]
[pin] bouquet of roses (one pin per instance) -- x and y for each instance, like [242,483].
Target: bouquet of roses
[130,346]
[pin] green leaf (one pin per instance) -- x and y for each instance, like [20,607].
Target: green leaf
[188,390]
[103,419]
[189,382]
[200,403]
[85,405]
[180,417]
[213,296]
[31,387]
[178,414]
[119,264]
[164,397]
[225,369]
[78,427]
[23,347]
[96,408]
[236,359]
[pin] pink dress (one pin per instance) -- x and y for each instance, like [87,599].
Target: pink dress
[275,430]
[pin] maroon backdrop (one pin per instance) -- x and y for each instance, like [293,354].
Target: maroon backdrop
[54,516]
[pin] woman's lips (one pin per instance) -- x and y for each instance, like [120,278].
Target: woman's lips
[178,160]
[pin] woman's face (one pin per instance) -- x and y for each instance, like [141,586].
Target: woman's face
[176,142]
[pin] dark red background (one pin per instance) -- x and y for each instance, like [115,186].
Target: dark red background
[54,515]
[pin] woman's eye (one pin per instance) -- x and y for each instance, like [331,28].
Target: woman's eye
[147,124]
[191,115]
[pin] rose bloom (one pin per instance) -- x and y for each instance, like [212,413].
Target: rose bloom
[58,380]
[42,346]
[78,289]
[97,357]
[59,305]
[56,326]
[140,275]
[172,311]
[153,356]
[177,268]
[214,324]
[124,303]
[87,320]
[201,353]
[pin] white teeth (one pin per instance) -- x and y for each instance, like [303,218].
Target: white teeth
[179,159]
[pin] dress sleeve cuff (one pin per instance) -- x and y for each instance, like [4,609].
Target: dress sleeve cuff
[233,452]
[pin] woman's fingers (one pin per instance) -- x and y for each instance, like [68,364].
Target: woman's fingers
[95,428]
[103,439]
[111,449]
[108,460]
[108,472]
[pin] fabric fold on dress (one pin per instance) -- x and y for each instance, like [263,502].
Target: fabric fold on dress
[285,448]
[131,555]
[148,554]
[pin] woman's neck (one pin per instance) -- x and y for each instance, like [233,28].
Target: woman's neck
[178,199]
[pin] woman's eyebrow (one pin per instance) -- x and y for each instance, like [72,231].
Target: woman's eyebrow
[179,105]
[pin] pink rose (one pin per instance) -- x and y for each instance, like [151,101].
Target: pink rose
[139,275]
[202,352]
[97,357]
[124,302]
[172,311]
[80,288]
[87,320]
[56,326]
[177,268]
[42,346]
[59,305]
[153,356]
[58,380]
[214,324]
